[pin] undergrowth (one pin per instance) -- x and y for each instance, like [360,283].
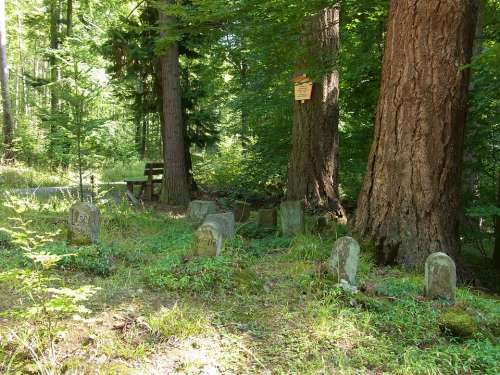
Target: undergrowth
[267,303]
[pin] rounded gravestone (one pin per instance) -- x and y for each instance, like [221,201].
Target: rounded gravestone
[440,277]
[292,217]
[83,224]
[210,236]
[344,259]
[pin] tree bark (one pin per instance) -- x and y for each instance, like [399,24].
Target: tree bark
[175,189]
[8,123]
[496,251]
[409,203]
[55,15]
[313,166]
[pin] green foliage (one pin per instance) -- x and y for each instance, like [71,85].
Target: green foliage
[196,275]
[95,260]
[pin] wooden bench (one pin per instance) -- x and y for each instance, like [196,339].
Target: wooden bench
[151,171]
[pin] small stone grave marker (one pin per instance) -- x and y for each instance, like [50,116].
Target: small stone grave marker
[292,217]
[267,218]
[83,224]
[198,210]
[210,236]
[344,259]
[440,277]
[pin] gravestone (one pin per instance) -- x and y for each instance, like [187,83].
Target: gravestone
[344,259]
[198,210]
[83,224]
[210,236]
[440,277]
[267,218]
[292,217]
[241,211]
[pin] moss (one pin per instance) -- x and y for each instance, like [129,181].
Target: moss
[457,323]
[377,304]
[248,281]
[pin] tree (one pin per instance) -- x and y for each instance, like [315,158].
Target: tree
[8,123]
[313,168]
[175,188]
[409,202]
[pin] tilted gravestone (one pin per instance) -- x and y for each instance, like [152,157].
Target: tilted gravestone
[242,211]
[344,259]
[210,236]
[267,218]
[198,210]
[440,277]
[83,224]
[292,217]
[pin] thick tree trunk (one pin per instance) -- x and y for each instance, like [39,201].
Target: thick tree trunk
[175,189]
[8,123]
[313,167]
[409,201]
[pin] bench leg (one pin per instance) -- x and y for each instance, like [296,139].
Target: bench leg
[130,187]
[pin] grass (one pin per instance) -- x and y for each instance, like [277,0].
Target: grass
[21,176]
[263,307]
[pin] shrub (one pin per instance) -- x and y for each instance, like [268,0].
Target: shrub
[196,275]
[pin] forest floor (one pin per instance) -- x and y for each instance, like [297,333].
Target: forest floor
[264,307]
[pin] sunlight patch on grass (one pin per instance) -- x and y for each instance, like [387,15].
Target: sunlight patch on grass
[179,322]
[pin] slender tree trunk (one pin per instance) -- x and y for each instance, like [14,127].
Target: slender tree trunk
[8,123]
[409,203]
[496,253]
[245,115]
[22,89]
[175,189]
[313,167]
[144,136]
[69,17]
[471,175]
[54,72]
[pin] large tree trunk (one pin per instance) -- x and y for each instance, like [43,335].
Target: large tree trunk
[175,189]
[8,123]
[313,167]
[409,201]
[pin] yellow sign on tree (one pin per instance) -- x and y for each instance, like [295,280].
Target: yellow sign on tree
[303,88]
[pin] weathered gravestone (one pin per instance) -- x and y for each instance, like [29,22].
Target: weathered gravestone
[241,211]
[292,217]
[344,259]
[198,210]
[210,236]
[83,224]
[267,218]
[440,277]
